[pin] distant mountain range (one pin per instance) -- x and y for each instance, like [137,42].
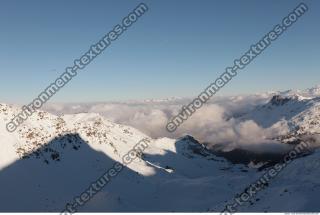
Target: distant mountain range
[51,159]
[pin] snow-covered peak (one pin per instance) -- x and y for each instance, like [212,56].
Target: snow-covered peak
[302,94]
[51,159]
[59,156]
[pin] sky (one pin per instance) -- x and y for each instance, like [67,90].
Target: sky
[176,49]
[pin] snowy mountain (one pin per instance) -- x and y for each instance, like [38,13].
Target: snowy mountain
[299,110]
[52,159]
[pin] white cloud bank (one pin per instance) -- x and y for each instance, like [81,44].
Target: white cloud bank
[215,123]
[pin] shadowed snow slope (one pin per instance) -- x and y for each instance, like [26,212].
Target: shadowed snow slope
[50,160]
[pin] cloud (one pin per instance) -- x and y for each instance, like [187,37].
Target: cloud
[216,123]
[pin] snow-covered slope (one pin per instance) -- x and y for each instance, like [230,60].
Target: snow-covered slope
[51,159]
[298,110]
[296,188]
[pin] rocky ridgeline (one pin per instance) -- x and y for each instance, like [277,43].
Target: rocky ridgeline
[53,134]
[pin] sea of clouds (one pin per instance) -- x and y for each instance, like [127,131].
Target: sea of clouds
[216,124]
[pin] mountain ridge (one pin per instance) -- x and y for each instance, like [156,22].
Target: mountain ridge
[55,158]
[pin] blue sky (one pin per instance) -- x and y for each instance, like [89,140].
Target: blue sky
[176,49]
